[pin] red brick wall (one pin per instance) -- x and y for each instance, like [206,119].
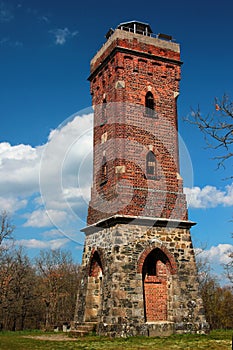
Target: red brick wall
[156,300]
[130,135]
[155,294]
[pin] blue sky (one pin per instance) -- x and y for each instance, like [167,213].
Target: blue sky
[45,53]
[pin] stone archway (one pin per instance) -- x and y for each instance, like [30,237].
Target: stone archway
[94,288]
[155,273]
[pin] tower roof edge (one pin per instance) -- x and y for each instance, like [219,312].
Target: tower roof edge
[122,34]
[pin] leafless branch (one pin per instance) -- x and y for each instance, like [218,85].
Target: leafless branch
[7,228]
[216,127]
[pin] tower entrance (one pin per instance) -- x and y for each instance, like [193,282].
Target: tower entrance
[155,274]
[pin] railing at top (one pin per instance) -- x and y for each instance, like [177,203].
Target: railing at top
[136,30]
[146,33]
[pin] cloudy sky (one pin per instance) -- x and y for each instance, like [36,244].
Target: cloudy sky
[46,118]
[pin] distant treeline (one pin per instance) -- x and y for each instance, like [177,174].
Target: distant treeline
[41,294]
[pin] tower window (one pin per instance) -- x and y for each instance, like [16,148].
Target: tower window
[104,171]
[151,164]
[104,112]
[149,104]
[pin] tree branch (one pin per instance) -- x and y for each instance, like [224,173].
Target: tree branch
[216,127]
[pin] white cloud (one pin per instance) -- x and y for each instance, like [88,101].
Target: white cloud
[37,244]
[18,152]
[57,168]
[19,170]
[62,35]
[6,41]
[66,168]
[12,204]
[44,218]
[71,194]
[209,196]
[6,12]
[217,254]
[52,233]
[51,182]
[44,19]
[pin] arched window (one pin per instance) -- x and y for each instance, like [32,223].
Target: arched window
[104,171]
[150,164]
[149,104]
[95,266]
[104,112]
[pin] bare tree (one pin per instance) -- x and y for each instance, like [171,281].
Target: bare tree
[18,291]
[7,228]
[229,267]
[217,127]
[32,296]
[217,300]
[59,278]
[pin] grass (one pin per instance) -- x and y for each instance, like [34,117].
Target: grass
[216,340]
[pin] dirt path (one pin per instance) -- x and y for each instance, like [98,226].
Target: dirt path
[52,337]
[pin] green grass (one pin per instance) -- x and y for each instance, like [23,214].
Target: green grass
[216,340]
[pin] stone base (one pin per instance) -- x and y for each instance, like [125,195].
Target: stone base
[135,275]
[121,330]
[160,329]
[151,329]
[192,328]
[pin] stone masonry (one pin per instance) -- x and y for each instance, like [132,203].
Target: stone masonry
[122,299]
[138,273]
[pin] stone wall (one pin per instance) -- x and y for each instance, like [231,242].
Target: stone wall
[122,297]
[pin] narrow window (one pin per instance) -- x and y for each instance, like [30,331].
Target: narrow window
[149,104]
[104,171]
[151,164]
[95,265]
[104,112]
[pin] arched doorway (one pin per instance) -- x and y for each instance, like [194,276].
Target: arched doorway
[155,273]
[94,288]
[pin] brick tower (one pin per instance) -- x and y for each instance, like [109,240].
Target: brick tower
[138,270]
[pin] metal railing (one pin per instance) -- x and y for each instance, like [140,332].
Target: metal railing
[135,30]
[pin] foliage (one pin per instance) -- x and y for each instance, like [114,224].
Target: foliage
[18,290]
[218,304]
[59,277]
[40,295]
[217,300]
[34,296]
